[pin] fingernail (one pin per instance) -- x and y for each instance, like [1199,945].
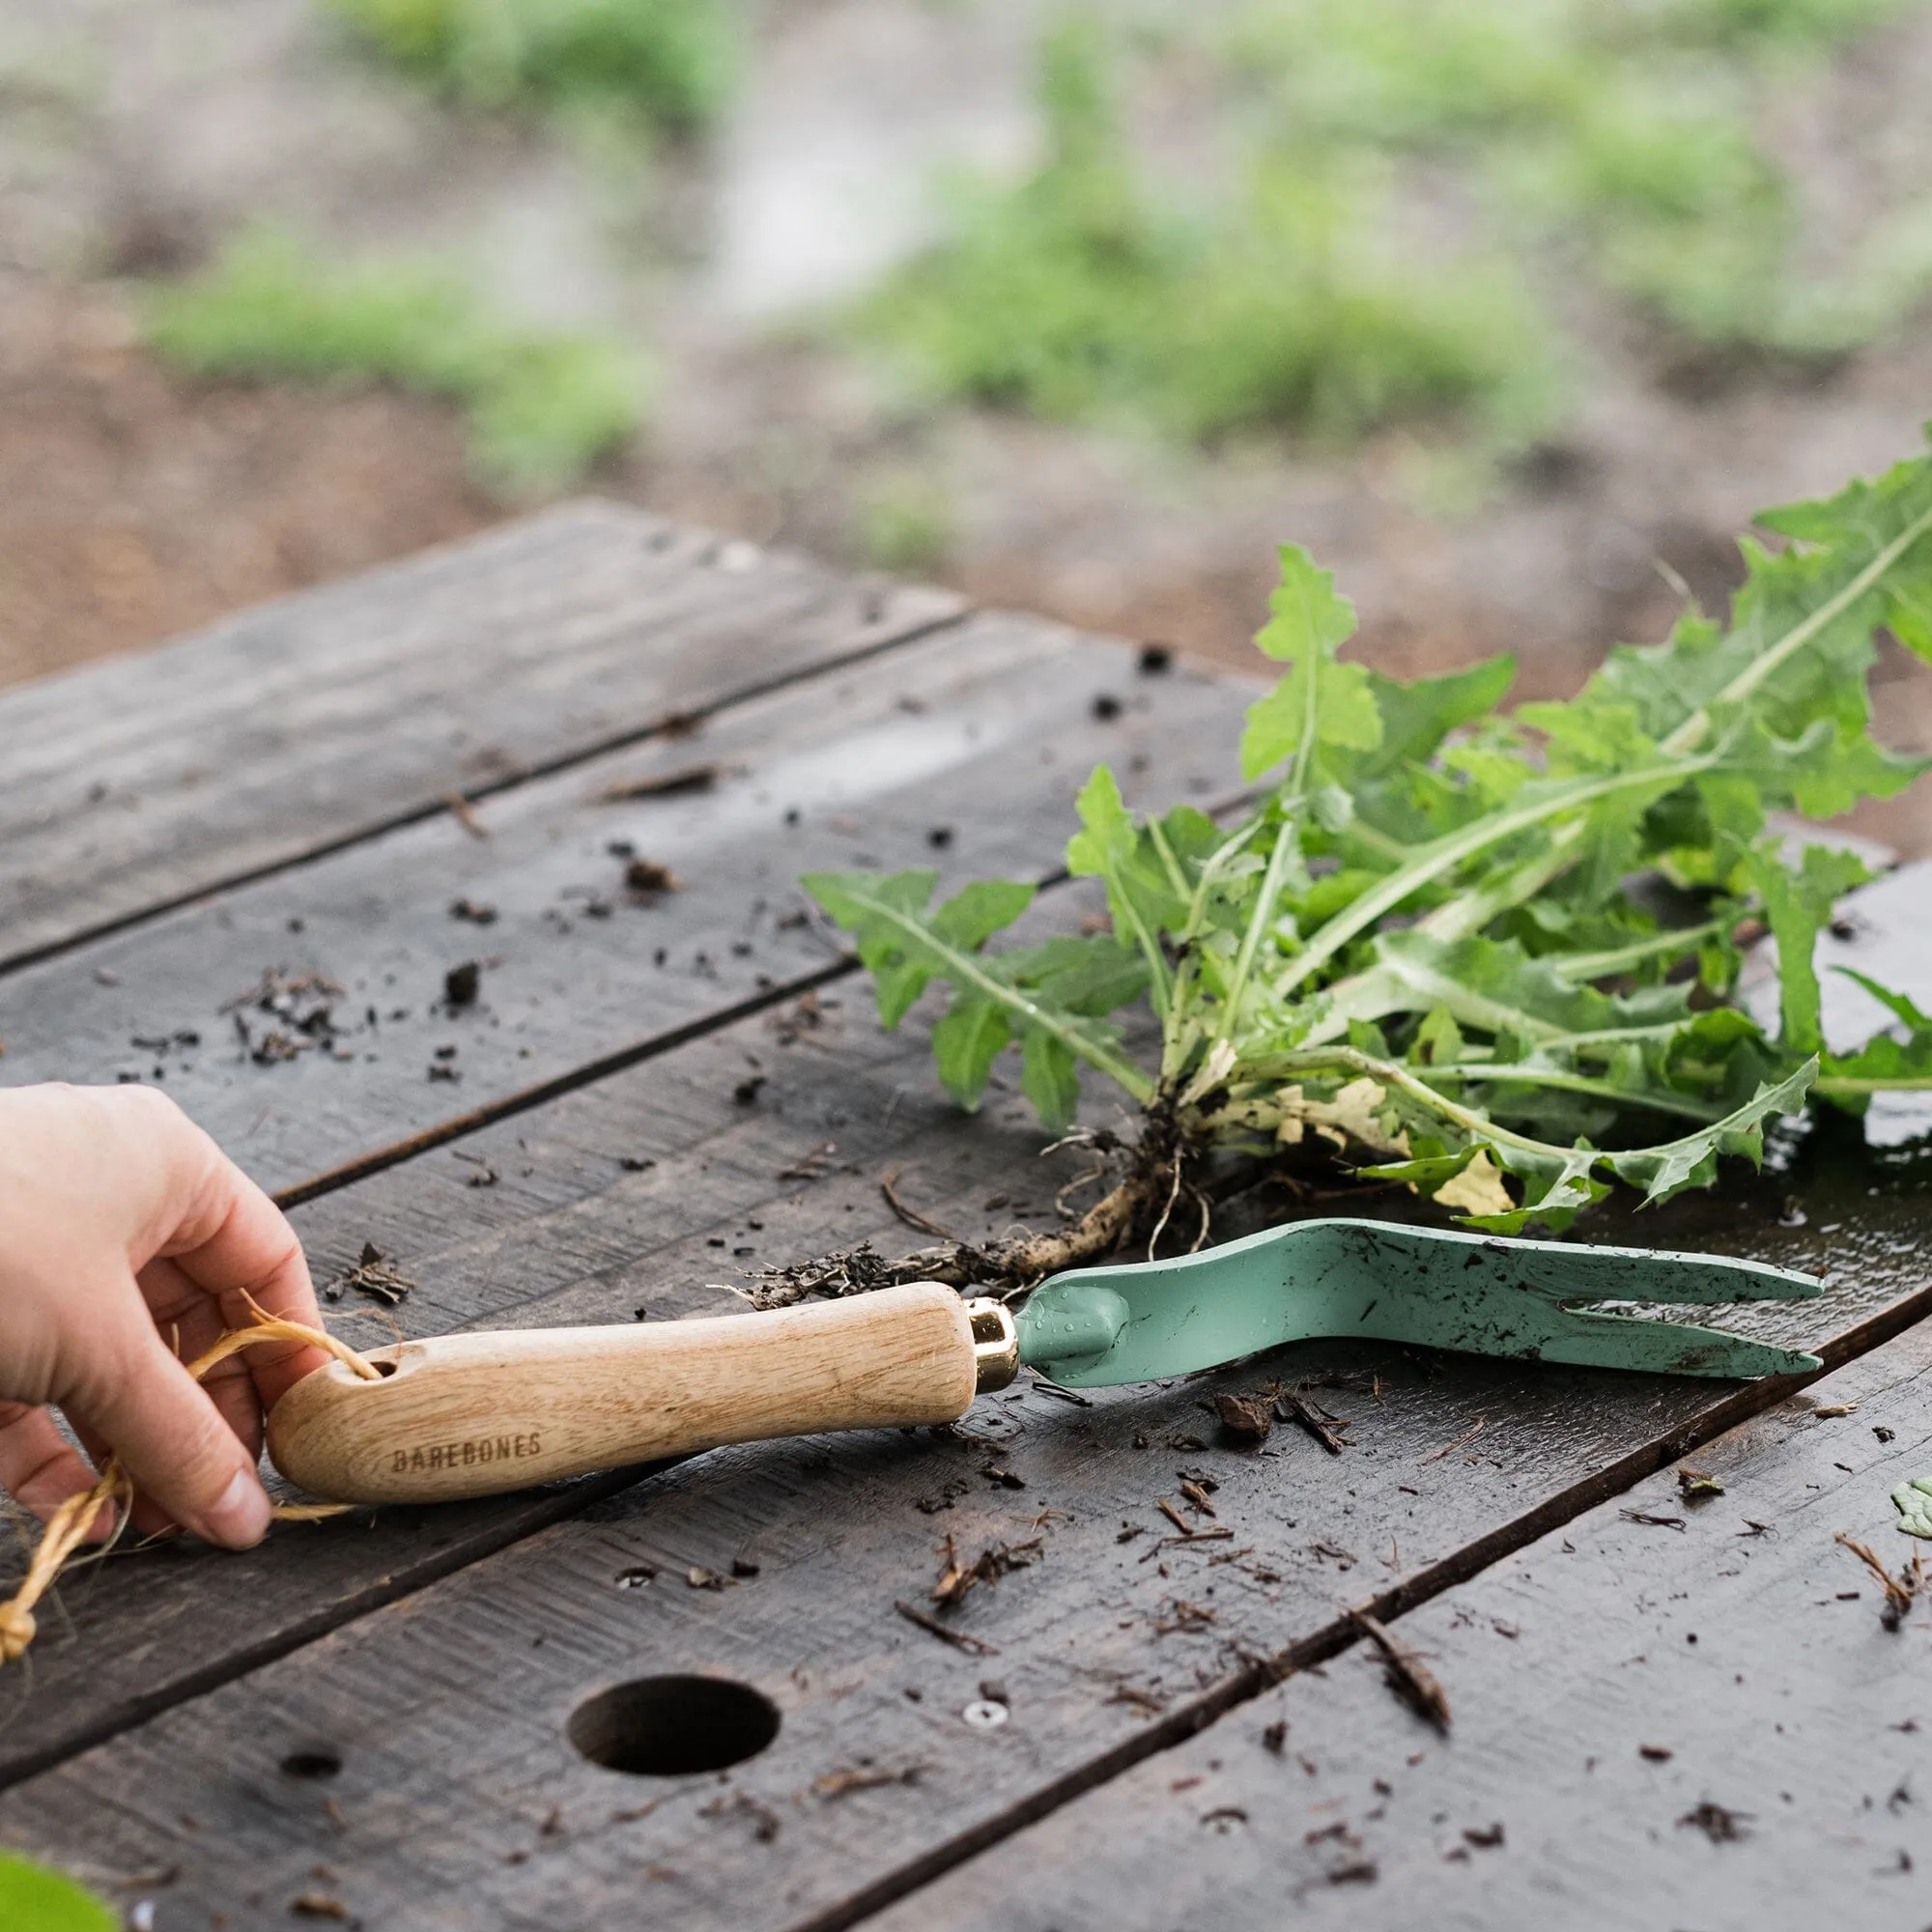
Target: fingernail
[240,1518]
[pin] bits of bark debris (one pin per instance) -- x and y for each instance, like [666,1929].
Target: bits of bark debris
[1291,1406]
[973,1646]
[1154,658]
[1362,1871]
[477,914]
[319,1905]
[1656,1522]
[1900,1591]
[1106,707]
[939,837]
[1655,1753]
[806,1014]
[762,1819]
[1245,1419]
[1720,1825]
[956,1579]
[462,983]
[1696,1485]
[1884,1434]
[1409,1676]
[1275,1737]
[698,1578]
[664,784]
[1829,1410]
[638,1577]
[1148,1702]
[863,1778]
[743,1566]
[646,880]
[372,1275]
[1198,1497]
[746,1092]
[1185,1617]
[1001,1477]
[1486,1837]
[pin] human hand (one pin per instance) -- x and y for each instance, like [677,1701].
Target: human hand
[129,1241]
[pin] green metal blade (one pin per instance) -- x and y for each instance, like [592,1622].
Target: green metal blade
[1144,1321]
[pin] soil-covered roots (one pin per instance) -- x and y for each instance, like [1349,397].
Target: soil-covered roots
[1145,1203]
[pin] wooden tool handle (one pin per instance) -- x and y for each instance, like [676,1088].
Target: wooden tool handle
[472,1415]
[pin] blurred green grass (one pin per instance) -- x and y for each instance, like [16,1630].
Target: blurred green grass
[665,64]
[1420,186]
[541,407]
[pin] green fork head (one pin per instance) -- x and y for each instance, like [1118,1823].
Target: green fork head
[1144,1320]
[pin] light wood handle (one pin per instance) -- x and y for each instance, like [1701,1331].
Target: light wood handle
[474,1415]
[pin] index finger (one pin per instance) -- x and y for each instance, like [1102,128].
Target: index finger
[235,1244]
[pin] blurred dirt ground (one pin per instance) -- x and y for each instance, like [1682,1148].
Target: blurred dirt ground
[134,506]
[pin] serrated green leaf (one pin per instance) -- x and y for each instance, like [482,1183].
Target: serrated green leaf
[1307,616]
[1796,904]
[1090,975]
[995,997]
[1419,713]
[965,1043]
[1899,1005]
[974,914]
[1555,1191]
[1666,1171]
[1143,895]
[1321,700]
[1435,908]
[1050,1078]
[862,902]
[1884,1063]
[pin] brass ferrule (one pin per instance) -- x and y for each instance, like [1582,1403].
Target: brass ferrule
[996,1344]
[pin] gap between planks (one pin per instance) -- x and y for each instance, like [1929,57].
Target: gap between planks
[1174,1729]
[663,724]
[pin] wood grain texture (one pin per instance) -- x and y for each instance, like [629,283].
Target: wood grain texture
[627,1198]
[1117,1634]
[141,782]
[961,751]
[436,1655]
[1696,1719]
[501,1409]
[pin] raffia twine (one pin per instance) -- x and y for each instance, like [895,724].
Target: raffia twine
[67,1529]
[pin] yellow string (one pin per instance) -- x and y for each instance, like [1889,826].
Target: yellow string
[67,1527]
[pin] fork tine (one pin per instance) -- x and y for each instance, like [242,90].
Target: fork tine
[1589,1339]
[1663,1276]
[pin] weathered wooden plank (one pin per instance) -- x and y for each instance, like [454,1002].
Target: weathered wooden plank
[448,1711]
[139,782]
[1697,1719]
[961,751]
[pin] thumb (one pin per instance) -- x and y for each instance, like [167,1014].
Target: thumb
[172,1440]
